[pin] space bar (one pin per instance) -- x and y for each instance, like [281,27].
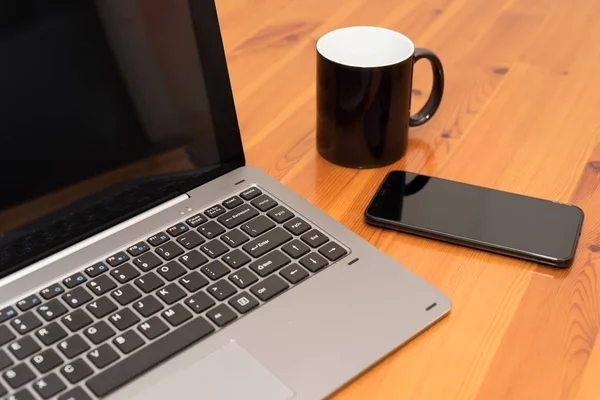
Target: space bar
[134,365]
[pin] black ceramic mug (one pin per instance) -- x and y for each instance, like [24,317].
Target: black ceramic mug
[364,85]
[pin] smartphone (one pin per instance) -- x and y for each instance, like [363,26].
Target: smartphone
[520,226]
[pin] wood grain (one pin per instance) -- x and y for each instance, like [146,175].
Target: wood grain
[520,113]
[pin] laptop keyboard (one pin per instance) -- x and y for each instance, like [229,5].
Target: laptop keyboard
[104,325]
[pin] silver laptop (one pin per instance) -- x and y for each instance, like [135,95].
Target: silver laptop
[140,258]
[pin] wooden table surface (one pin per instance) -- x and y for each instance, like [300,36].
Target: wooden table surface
[521,112]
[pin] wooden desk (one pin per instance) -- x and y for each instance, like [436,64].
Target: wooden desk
[521,112]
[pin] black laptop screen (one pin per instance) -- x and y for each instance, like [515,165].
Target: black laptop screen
[107,108]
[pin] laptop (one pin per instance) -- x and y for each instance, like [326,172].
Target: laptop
[140,258]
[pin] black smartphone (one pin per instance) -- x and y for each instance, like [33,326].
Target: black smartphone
[515,225]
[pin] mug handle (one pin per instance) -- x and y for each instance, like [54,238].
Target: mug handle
[437,89]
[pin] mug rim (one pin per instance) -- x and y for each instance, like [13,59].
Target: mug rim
[353,59]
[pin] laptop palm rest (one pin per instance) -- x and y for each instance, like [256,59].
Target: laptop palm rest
[228,373]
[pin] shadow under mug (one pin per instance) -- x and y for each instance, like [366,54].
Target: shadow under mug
[364,87]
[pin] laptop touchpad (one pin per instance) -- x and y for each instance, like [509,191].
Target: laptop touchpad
[228,373]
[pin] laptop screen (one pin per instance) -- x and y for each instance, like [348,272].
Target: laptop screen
[108,108]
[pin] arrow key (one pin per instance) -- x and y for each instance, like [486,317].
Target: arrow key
[313,262]
[294,273]
[333,251]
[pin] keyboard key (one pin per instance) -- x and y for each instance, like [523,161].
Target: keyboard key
[200,302]
[234,238]
[3,391]
[297,226]
[158,239]
[296,248]
[52,309]
[214,248]
[236,259]
[74,280]
[190,240]
[294,273]
[333,251]
[76,393]
[147,306]
[196,220]
[243,278]
[46,360]
[125,294]
[221,290]
[22,394]
[193,259]
[28,302]
[76,320]
[149,282]
[128,341]
[101,307]
[5,335]
[171,293]
[117,259]
[124,273]
[77,297]
[18,375]
[96,269]
[211,229]
[147,261]
[101,285]
[314,238]
[243,302]
[280,214]
[232,202]
[51,291]
[49,386]
[103,356]
[221,315]
[26,323]
[99,332]
[258,226]
[269,288]
[215,270]
[138,248]
[73,346]
[176,315]
[5,360]
[214,211]
[169,250]
[123,319]
[267,242]
[76,371]
[269,263]
[237,216]
[263,202]
[171,271]
[177,229]
[193,281]
[153,328]
[51,333]
[313,262]
[147,357]
[7,313]
[24,347]
[251,193]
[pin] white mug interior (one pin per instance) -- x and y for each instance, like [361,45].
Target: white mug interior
[365,46]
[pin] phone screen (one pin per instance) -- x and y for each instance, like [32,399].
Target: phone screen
[475,215]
